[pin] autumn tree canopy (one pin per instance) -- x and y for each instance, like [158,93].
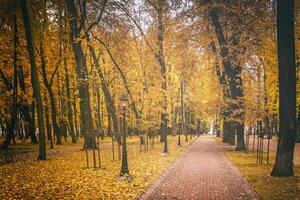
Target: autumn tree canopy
[186,66]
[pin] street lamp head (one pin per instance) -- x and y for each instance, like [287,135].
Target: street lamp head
[167,115]
[124,101]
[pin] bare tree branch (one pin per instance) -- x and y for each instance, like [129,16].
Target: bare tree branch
[122,76]
[98,19]
[140,29]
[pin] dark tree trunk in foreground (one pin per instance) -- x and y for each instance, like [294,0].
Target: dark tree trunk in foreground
[298,124]
[287,89]
[34,81]
[240,145]
[239,107]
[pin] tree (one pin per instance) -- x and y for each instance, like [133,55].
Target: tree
[48,85]
[34,81]
[287,89]
[160,7]
[81,68]
[13,118]
[69,103]
[235,83]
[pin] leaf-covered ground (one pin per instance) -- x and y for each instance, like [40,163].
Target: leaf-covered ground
[258,175]
[66,177]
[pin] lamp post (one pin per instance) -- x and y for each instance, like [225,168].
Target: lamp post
[166,151]
[124,105]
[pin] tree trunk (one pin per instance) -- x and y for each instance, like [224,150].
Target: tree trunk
[48,126]
[233,75]
[225,89]
[109,132]
[108,97]
[99,121]
[75,117]
[217,125]
[161,60]
[29,122]
[56,129]
[174,122]
[227,129]
[34,81]
[33,112]
[298,125]
[174,115]
[13,118]
[81,72]
[240,146]
[69,103]
[287,89]
[25,107]
[133,106]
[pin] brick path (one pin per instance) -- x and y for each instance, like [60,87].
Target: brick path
[202,172]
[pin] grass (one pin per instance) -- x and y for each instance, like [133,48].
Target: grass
[258,175]
[65,176]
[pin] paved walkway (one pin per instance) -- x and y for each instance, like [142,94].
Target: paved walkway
[202,172]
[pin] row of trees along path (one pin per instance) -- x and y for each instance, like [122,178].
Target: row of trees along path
[77,45]
[204,172]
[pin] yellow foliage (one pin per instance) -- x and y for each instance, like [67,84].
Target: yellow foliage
[65,176]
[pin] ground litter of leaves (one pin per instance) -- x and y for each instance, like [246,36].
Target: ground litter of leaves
[66,176]
[258,175]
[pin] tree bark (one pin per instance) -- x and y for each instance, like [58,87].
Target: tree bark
[298,125]
[287,89]
[13,118]
[75,117]
[234,80]
[108,97]
[25,107]
[99,115]
[69,103]
[48,126]
[55,127]
[227,124]
[161,60]
[81,72]
[34,81]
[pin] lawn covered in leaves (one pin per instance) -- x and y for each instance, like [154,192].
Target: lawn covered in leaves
[66,177]
[258,175]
